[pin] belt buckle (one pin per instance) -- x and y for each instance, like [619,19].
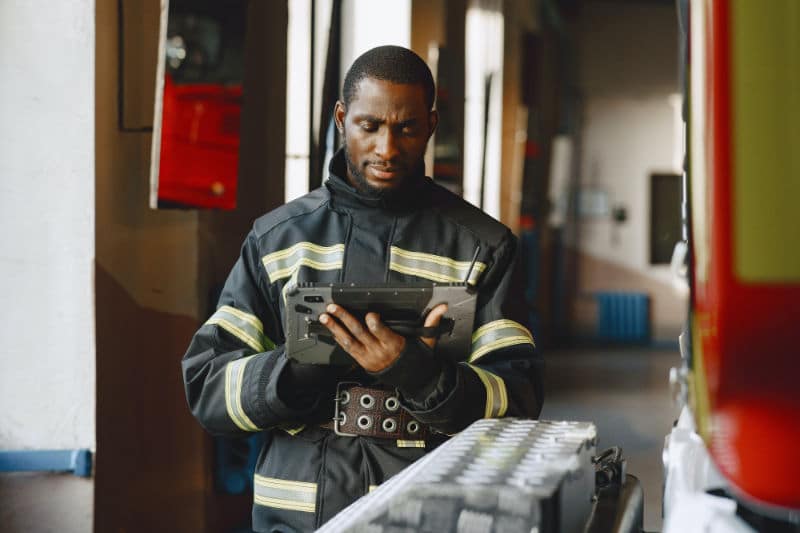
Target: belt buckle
[342,398]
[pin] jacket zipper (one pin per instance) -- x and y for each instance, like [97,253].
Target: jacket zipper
[346,246]
[389,242]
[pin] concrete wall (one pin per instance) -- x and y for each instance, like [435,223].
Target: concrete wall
[47,356]
[628,78]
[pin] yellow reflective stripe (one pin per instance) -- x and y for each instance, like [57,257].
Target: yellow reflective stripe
[244,326]
[284,263]
[438,259]
[305,486]
[303,261]
[496,394]
[292,430]
[497,344]
[284,494]
[234,374]
[434,267]
[433,276]
[310,246]
[499,324]
[498,334]
[236,332]
[277,503]
[410,443]
[246,317]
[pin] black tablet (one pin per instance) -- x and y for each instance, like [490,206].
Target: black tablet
[402,307]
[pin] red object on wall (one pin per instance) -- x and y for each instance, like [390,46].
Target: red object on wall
[200,144]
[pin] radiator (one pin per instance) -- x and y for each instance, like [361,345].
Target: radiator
[623,316]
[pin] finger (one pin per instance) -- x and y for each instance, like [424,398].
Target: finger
[432,320]
[383,333]
[364,357]
[435,316]
[340,333]
[356,329]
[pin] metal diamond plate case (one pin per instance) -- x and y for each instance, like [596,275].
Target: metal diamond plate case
[499,475]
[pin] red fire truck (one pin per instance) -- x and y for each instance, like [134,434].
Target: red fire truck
[733,457]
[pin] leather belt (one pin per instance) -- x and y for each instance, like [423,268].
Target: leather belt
[373,412]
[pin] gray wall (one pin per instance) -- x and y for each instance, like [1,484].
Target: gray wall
[629,85]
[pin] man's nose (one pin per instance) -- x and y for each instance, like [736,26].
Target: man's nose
[387,147]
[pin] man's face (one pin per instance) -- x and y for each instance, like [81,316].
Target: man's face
[386,128]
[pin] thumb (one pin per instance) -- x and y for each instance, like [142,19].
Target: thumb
[431,321]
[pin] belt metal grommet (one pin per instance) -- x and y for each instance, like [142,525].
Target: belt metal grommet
[412,427]
[342,420]
[392,403]
[367,401]
[389,425]
[364,422]
[344,397]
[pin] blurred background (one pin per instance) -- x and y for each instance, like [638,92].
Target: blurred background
[141,138]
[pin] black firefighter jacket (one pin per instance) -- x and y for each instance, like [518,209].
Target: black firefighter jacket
[238,379]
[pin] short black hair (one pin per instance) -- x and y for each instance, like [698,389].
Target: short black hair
[389,63]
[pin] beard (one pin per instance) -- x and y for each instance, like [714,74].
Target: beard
[364,187]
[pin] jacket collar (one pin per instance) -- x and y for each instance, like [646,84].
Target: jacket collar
[413,196]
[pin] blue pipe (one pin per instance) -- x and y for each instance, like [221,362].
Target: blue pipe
[79,462]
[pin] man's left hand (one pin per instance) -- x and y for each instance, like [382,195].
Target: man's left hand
[372,344]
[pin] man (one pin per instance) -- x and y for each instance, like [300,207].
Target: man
[377,219]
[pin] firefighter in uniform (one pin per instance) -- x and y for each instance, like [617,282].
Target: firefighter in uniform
[376,219]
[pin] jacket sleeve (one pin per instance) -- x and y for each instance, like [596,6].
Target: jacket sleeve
[232,370]
[502,376]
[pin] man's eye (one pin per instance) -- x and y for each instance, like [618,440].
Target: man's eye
[410,130]
[369,126]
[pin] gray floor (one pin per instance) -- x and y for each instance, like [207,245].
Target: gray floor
[625,392]
[44,503]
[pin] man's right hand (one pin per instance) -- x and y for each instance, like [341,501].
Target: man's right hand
[373,345]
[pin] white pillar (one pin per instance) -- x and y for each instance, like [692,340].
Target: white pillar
[47,353]
[484,57]
[370,23]
[298,95]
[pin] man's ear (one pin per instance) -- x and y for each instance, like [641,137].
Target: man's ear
[339,112]
[433,121]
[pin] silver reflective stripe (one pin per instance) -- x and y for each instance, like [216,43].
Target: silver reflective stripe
[434,267]
[234,375]
[284,263]
[496,394]
[244,326]
[498,334]
[285,494]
